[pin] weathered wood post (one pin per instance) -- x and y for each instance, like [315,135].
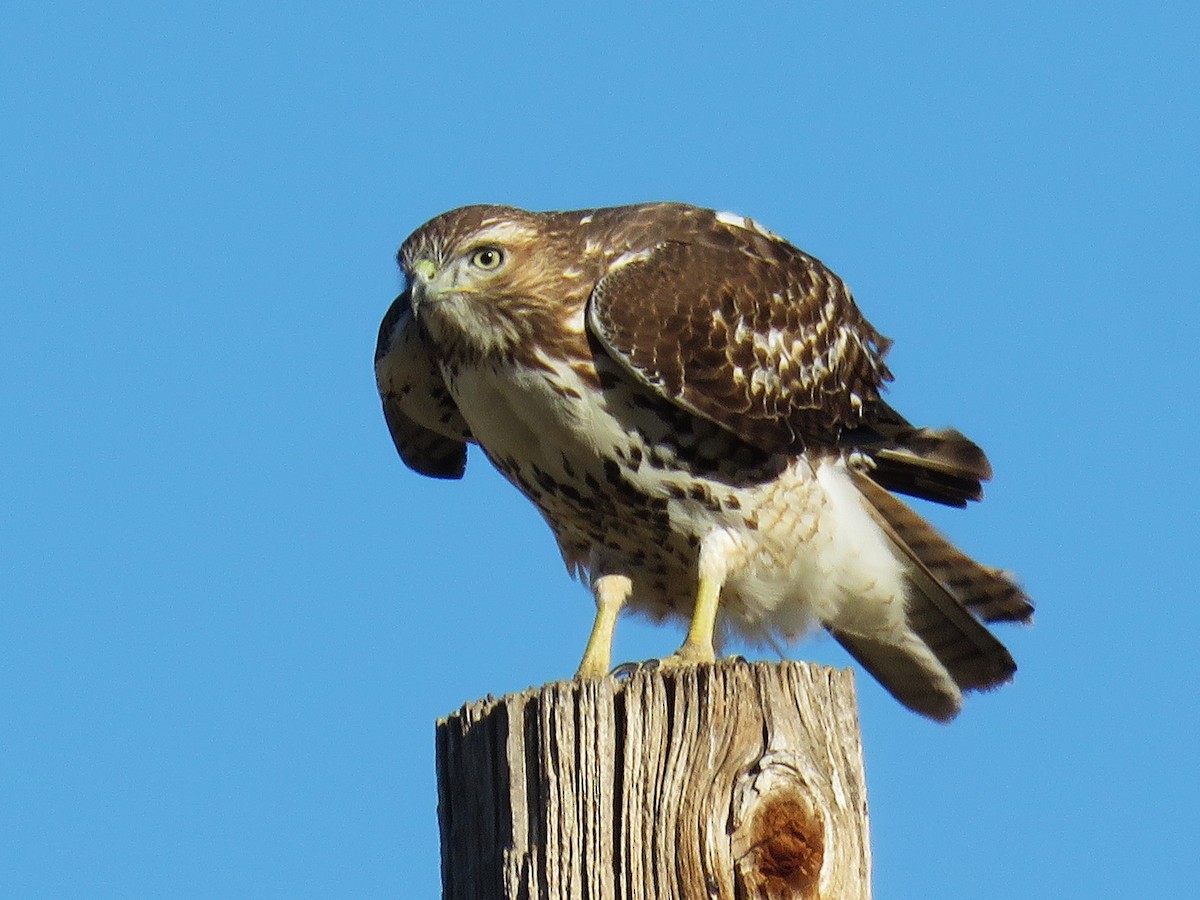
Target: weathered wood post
[733,781]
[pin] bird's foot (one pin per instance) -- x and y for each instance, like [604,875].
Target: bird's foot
[677,660]
[689,655]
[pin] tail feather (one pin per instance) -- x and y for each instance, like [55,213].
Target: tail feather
[908,671]
[989,593]
[972,655]
[946,650]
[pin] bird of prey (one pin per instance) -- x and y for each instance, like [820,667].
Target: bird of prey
[694,406]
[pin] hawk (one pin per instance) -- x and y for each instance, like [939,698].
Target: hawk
[694,406]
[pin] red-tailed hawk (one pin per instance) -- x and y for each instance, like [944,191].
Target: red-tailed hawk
[694,406]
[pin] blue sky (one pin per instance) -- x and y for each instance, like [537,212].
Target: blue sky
[229,616]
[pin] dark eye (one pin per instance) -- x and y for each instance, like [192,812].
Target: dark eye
[487,258]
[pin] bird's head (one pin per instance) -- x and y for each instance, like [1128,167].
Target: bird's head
[482,276]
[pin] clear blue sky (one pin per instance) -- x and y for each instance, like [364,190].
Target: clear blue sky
[229,616]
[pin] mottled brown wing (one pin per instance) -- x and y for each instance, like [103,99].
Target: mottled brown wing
[426,426]
[745,330]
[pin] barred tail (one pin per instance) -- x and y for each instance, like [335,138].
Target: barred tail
[946,649]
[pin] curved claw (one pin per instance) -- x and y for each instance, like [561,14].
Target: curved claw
[625,671]
[676,660]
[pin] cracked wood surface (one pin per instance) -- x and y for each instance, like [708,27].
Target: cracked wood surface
[735,781]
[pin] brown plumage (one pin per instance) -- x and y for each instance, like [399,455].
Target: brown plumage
[694,406]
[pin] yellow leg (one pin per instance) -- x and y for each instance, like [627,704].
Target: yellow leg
[698,646]
[611,592]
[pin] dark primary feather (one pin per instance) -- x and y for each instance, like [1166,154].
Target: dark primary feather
[422,450]
[938,465]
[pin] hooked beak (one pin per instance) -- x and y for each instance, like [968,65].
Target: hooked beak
[431,284]
[424,272]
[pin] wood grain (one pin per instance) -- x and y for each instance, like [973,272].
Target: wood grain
[732,781]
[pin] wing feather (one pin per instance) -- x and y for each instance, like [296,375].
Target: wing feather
[426,426]
[743,329]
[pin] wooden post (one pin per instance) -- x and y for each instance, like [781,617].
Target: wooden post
[733,781]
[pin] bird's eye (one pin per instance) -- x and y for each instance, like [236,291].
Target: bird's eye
[487,258]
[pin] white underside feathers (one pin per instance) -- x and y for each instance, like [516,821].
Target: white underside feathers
[825,562]
[817,557]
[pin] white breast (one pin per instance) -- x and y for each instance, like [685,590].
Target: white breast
[535,415]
